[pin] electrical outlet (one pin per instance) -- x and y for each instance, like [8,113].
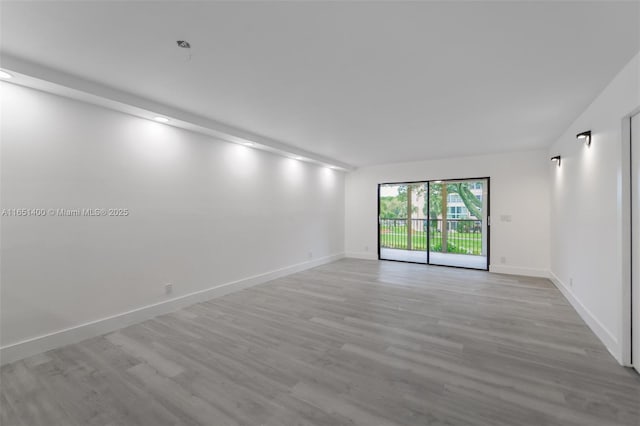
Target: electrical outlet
[503,259]
[168,288]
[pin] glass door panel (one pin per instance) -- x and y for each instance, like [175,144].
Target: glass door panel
[402,222]
[458,211]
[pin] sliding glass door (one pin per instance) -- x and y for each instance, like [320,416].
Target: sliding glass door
[435,222]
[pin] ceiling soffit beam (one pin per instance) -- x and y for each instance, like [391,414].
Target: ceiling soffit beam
[57,82]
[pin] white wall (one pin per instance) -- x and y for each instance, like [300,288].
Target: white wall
[202,213]
[519,188]
[589,210]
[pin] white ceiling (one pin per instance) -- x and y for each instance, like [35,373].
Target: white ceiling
[363,83]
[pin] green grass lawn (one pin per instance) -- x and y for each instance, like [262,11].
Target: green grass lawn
[457,242]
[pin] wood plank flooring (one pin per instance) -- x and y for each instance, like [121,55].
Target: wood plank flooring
[353,342]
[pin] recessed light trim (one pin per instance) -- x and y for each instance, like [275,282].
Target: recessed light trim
[160,119]
[5,75]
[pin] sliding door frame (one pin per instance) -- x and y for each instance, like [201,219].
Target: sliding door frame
[429,182]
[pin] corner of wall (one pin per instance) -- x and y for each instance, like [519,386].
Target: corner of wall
[519,270]
[361,255]
[605,336]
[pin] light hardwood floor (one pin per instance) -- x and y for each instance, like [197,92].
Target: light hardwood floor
[353,342]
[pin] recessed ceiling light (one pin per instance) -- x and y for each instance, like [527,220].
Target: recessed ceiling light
[297,157]
[4,74]
[161,119]
[248,144]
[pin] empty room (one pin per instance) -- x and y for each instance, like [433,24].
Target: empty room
[300,213]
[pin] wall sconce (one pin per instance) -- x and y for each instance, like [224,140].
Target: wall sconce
[557,159]
[585,137]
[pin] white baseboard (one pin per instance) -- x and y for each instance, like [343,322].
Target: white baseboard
[367,255]
[39,344]
[498,269]
[519,270]
[605,336]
